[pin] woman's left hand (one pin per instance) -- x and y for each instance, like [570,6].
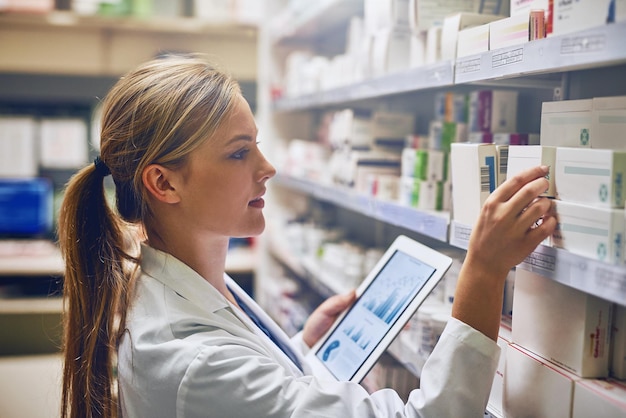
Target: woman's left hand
[324,316]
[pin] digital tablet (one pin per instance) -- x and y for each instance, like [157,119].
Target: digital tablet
[386,300]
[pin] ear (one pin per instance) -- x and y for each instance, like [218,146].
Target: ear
[158,182]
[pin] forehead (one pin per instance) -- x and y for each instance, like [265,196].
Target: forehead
[239,122]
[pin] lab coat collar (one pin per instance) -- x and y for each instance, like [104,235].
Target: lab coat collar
[170,271]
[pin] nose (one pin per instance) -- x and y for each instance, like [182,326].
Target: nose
[267,170]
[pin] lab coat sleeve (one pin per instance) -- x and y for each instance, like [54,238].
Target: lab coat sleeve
[235,380]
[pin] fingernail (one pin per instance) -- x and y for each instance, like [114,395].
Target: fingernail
[545,168]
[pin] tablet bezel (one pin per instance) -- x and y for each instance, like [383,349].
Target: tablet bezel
[433,258]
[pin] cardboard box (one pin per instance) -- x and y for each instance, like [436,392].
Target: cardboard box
[493,111]
[592,232]
[599,399]
[594,177]
[63,143]
[474,177]
[454,23]
[451,107]
[522,157]
[618,343]
[574,16]
[508,32]
[433,45]
[392,125]
[424,164]
[561,324]
[442,134]
[608,122]
[385,14]
[534,387]
[425,14]
[502,153]
[418,49]
[566,123]
[515,138]
[18,147]
[474,40]
[423,194]
[390,51]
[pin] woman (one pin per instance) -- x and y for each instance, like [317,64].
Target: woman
[180,143]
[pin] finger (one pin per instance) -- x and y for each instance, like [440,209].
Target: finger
[337,303]
[512,185]
[527,195]
[538,209]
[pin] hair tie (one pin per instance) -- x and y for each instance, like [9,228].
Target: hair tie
[101,167]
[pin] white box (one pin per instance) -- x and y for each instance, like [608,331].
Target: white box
[493,111]
[474,177]
[535,388]
[574,16]
[18,151]
[418,49]
[592,232]
[510,31]
[599,399]
[566,123]
[618,343]
[390,51]
[525,6]
[433,45]
[424,164]
[452,24]
[522,157]
[392,125]
[474,40]
[561,324]
[422,194]
[63,143]
[425,14]
[594,177]
[608,122]
[515,138]
[502,153]
[385,14]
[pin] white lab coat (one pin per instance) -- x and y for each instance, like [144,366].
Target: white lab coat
[189,353]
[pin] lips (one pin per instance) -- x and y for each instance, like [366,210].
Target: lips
[257,202]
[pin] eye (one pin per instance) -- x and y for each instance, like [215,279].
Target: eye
[240,155]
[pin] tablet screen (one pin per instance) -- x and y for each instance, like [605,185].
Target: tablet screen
[373,315]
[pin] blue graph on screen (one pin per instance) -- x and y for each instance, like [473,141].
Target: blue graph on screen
[389,295]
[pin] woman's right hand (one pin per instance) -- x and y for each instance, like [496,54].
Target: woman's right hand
[513,221]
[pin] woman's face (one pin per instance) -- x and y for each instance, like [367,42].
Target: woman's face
[224,179]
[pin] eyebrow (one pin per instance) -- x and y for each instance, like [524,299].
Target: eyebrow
[242,137]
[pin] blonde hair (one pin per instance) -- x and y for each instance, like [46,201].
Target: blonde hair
[158,113]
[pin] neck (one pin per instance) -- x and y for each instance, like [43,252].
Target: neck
[206,256]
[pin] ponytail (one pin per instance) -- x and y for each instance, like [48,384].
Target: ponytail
[96,293]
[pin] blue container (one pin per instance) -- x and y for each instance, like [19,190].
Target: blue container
[26,207]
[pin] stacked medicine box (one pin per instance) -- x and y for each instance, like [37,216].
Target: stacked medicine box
[565,344]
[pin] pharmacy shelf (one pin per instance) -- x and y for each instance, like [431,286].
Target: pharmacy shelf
[600,279]
[430,76]
[30,258]
[606,281]
[306,268]
[29,306]
[312,19]
[155,24]
[429,223]
[597,47]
